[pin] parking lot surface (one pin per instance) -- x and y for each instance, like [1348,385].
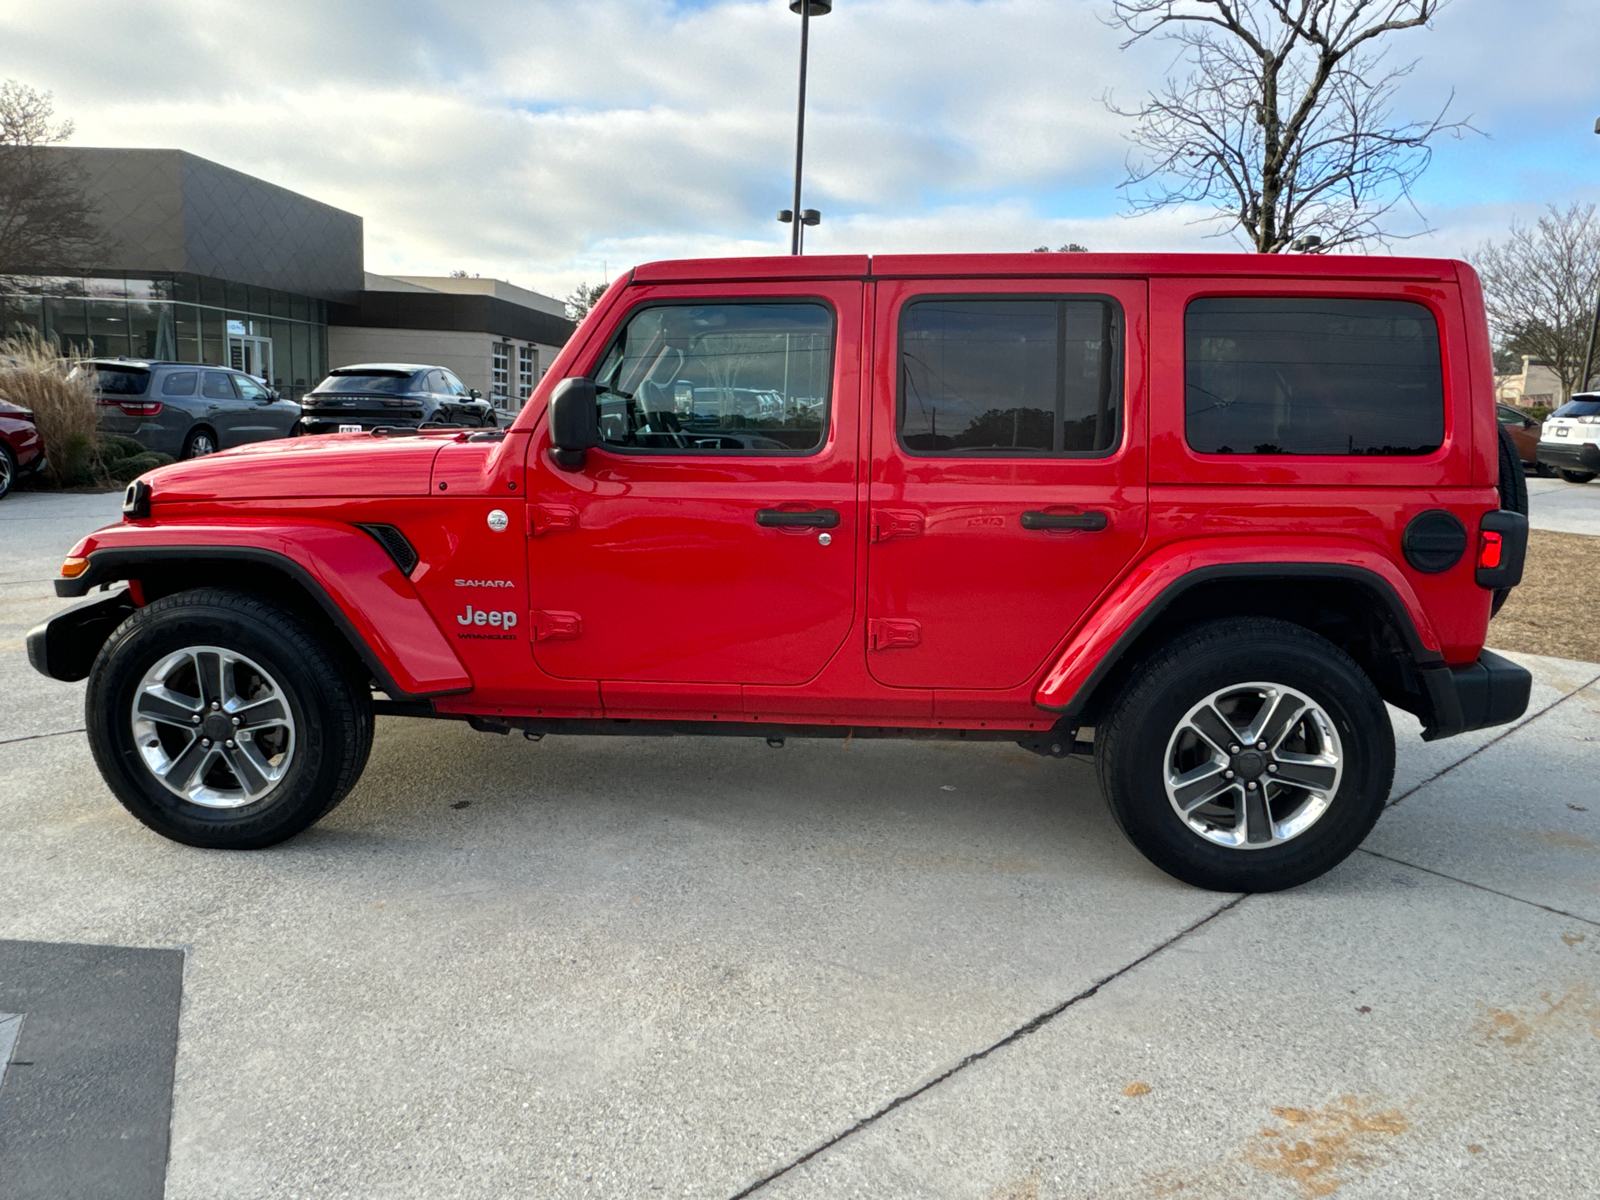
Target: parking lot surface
[696,967]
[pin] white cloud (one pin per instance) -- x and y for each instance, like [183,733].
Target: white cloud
[538,140]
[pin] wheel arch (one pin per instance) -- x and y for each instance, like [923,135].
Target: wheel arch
[393,637]
[1353,607]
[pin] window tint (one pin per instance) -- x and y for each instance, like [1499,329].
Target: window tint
[452,384]
[737,378]
[180,383]
[386,384]
[1583,406]
[1290,375]
[1010,377]
[219,386]
[116,382]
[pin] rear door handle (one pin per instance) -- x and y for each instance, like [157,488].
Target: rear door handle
[817,518]
[1085,520]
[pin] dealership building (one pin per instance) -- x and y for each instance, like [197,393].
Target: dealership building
[206,264]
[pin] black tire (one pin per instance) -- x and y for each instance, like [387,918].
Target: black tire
[1576,476]
[8,470]
[1133,743]
[331,719]
[199,442]
[1513,486]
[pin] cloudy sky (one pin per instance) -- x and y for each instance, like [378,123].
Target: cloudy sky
[549,142]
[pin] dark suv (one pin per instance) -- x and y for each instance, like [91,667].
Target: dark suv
[189,410]
[368,396]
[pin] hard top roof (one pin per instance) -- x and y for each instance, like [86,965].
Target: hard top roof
[384,369]
[912,266]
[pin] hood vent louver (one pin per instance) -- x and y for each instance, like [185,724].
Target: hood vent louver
[391,539]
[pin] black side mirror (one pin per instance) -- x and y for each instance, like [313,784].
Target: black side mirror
[574,422]
[474,393]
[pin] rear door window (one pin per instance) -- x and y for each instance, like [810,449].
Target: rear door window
[180,383]
[1271,375]
[728,378]
[219,386]
[1010,378]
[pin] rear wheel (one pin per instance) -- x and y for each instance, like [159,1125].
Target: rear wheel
[200,442]
[222,721]
[1577,476]
[1246,755]
[8,470]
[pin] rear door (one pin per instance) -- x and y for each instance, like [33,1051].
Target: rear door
[1008,471]
[709,538]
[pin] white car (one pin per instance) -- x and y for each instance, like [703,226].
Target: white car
[1570,440]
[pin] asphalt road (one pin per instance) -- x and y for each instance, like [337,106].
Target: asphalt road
[709,968]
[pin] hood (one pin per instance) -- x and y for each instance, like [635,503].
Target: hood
[304,467]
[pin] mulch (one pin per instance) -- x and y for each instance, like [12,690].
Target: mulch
[1556,611]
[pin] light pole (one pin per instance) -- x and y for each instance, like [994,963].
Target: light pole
[1594,326]
[796,217]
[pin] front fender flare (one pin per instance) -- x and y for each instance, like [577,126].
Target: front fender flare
[351,577]
[1142,595]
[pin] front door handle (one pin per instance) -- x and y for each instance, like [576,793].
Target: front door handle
[817,518]
[1092,521]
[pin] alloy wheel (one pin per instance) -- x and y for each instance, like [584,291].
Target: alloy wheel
[1253,765]
[213,727]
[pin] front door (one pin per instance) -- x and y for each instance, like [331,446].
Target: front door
[1008,471]
[709,538]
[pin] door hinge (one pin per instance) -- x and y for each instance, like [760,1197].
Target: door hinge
[556,626]
[551,518]
[893,633]
[892,523]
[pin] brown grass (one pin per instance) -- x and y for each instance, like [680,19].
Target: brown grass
[60,392]
[1553,611]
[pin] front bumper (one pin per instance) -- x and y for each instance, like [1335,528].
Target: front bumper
[1573,456]
[65,646]
[1491,691]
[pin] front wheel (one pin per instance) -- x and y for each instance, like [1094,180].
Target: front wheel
[1246,755]
[8,470]
[1577,476]
[222,721]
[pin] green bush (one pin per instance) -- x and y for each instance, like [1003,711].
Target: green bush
[126,470]
[114,447]
[1539,411]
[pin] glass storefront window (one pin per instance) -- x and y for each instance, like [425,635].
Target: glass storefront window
[186,328]
[108,327]
[107,287]
[66,322]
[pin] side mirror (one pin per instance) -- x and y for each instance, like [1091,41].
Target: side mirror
[474,394]
[574,422]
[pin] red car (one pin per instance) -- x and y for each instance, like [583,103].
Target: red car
[21,450]
[1216,509]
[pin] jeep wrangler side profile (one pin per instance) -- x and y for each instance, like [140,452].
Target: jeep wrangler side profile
[1216,509]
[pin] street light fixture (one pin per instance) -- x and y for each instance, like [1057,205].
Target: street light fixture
[809,216]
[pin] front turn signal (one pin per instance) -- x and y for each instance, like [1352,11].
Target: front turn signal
[73,567]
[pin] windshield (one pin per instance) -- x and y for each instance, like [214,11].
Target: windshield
[380,385]
[118,381]
[1581,406]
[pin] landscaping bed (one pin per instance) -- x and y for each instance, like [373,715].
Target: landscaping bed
[1554,611]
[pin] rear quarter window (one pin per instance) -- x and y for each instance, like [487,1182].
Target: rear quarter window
[180,383]
[115,381]
[1284,375]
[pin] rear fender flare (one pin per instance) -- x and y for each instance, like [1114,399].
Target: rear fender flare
[1139,599]
[350,576]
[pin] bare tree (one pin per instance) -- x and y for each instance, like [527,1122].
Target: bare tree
[583,299]
[47,222]
[1539,286]
[1284,124]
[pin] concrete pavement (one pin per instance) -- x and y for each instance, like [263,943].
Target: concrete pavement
[1563,507]
[701,967]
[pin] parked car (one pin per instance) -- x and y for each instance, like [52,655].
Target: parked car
[1570,441]
[21,450]
[189,410]
[368,396]
[1215,508]
[1524,431]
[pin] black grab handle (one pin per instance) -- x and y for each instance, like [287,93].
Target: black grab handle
[817,518]
[1084,520]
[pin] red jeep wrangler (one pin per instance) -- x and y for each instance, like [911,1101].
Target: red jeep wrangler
[1217,509]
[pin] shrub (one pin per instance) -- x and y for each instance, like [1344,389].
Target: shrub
[126,470]
[114,447]
[60,392]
